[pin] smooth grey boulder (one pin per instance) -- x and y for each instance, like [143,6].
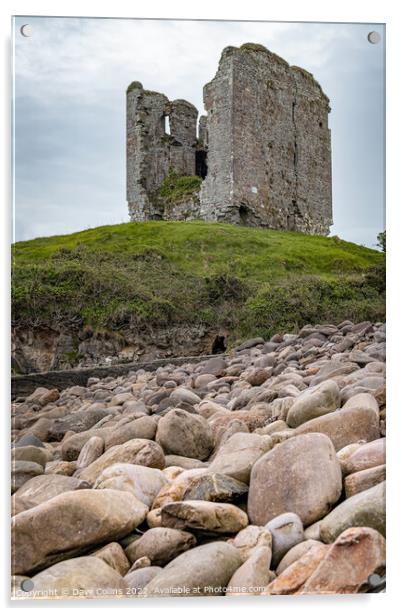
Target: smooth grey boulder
[202,571]
[363,509]
[287,531]
[314,402]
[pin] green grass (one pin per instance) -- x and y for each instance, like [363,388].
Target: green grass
[251,281]
[175,188]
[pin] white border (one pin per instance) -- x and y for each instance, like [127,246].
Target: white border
[368,11]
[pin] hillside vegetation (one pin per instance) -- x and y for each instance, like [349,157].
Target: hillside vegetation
[249,281]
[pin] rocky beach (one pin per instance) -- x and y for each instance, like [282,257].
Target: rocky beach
[258,472]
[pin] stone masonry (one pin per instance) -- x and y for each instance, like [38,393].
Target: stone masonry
[263,152]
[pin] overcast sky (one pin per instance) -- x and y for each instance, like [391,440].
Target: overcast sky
[70,82]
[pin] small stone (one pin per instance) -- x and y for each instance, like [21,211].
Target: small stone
[136,580]
[287,531]
[113,555]
[204,516]
[60,467]
[183,462]
[276,426]
[141,563]
[90,452]
[252,537]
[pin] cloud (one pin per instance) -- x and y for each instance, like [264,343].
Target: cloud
[70,82]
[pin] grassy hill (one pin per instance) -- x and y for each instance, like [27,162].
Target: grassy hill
[250,281]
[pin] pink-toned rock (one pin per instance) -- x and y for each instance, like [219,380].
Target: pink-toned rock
[355,555]
[366,456]
[363,480]
[294,576]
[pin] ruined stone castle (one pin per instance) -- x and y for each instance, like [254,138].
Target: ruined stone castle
[261,155]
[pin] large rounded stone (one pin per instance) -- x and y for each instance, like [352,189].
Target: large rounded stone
[182,394]
[160,545]
[202,571]
[144,427]
[70,521]
[345,426]
[142,481]
[30,453]
[44,487]
[138,451]
[76,422]
[314,402]
[86,577]
[301,475]
[185,434]
[238,454]
[204,516]
[363,509]
[22,471]
[286,530]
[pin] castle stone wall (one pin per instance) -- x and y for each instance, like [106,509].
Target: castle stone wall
[263,149]
[274,143]
[151,151]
